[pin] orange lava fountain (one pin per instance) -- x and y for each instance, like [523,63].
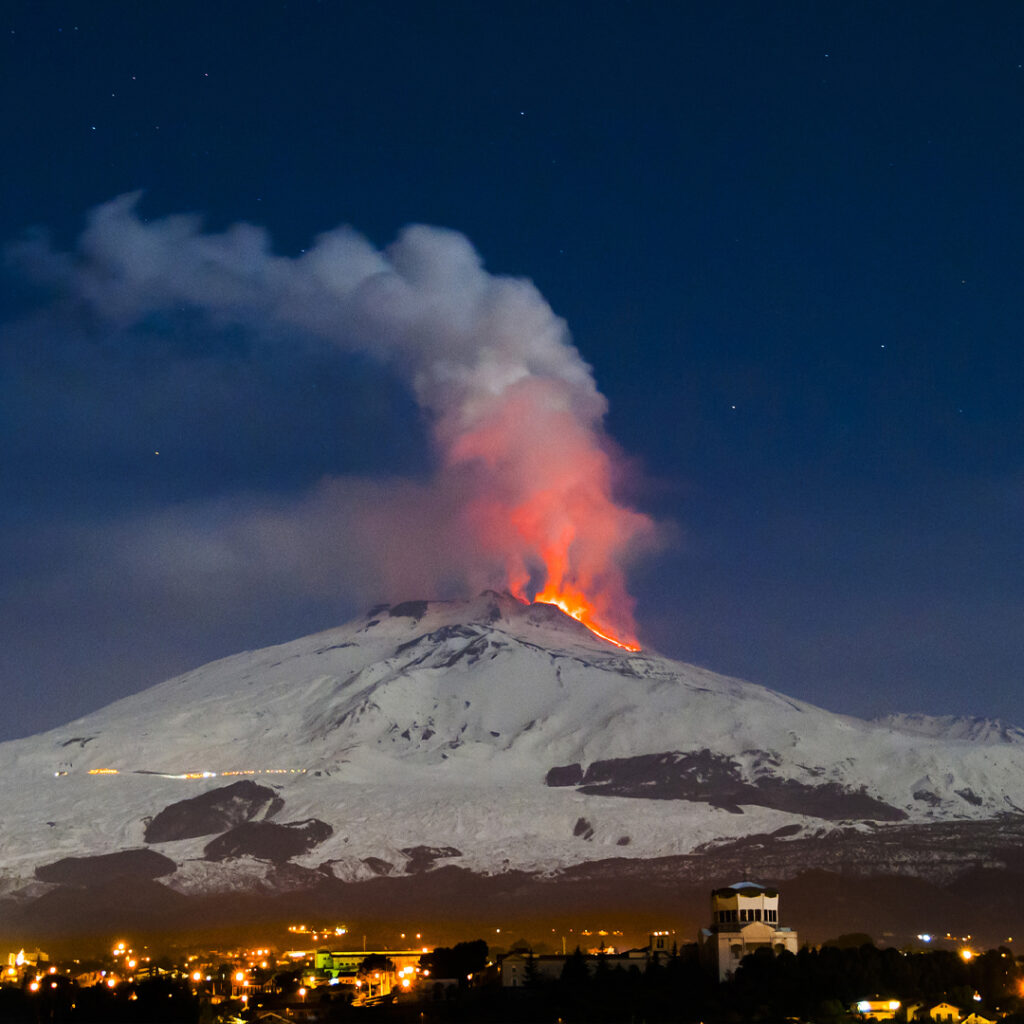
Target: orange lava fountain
[580,610]
[561,590]
[538,487]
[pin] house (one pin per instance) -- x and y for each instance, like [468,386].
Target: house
[978,1018]
[943,1013]
[341,967]
[876,1008]
[517,969]
[744,918]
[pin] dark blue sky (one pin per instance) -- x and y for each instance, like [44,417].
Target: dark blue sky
[787,237]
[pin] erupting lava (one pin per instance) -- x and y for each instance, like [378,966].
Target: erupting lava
[579,609]
[540,498]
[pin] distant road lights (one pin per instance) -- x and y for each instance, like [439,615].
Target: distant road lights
[966,954]
[925,937]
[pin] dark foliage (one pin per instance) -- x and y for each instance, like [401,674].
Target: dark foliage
[459,961]
[817,985]
[158,1001]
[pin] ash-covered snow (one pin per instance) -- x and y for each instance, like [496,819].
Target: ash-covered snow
[433,726]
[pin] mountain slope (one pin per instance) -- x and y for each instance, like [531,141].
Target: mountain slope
[489,734]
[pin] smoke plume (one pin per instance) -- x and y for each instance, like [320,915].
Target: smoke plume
[524,474]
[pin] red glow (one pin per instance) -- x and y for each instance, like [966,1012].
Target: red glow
[581,612]
[540,501]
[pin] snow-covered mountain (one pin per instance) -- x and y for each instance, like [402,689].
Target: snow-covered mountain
[490,734]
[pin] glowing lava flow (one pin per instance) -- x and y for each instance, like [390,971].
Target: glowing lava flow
[580,611]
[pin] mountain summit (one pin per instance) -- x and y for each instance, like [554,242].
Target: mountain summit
[491,734]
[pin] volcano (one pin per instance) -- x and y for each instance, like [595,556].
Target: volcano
[493,751]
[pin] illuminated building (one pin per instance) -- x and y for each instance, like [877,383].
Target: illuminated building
[876,1009]
[744,918]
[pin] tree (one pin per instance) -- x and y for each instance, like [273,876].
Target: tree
[459,961]
[574,970]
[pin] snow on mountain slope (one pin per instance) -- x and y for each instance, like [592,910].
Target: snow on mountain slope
[489,733]
[954,727]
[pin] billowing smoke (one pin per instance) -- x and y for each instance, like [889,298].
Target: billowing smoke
[525,473]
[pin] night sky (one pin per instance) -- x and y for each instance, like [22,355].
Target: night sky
[787,237]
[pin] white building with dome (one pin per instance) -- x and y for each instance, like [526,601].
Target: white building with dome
[744,918]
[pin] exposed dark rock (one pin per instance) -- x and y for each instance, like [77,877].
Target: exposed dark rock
[785,831]
[842,880]
[266,840]
[378,866]
[335,647]
[125,865]
[213,812]
[431,641]
[423,858]
[492,613]
[583,829]
[970,796]
[706,777]
[926,797]
[409,609]
[622,841]
[726,805]
[566,775]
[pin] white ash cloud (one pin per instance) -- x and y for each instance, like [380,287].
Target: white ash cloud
[513,410]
